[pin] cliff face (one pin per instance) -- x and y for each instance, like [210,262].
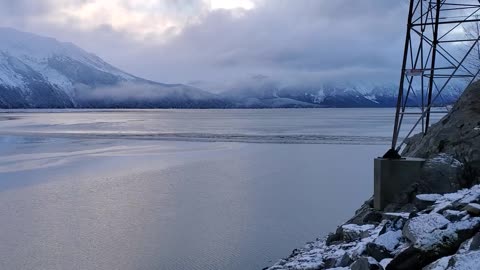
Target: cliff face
[457,134]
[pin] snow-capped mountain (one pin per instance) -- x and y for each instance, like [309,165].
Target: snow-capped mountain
[267,93]
[40,72]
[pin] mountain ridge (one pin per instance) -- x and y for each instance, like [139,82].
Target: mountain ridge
[41,72]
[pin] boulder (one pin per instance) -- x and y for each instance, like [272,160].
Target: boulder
[464,261]
[423,201]
[465,229]
[377,252]
[344,261]
[440,264]
[419,227]
[366,214]
[396,216]
[366,263]
[352,232]
[384,263]
[409,259]
[334,238]
[348,233]
[372,217]
[475,243]
[473,209]
[338,262]
[330,263]
[441,173]
[389,240]
[429,247]
[465,246]
[469,260]
[454,215]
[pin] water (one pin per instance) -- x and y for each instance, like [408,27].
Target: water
[179,189]
[353,126]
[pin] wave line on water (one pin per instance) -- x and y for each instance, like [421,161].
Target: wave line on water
[215,137]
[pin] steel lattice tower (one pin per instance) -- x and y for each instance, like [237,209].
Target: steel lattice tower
[442,51]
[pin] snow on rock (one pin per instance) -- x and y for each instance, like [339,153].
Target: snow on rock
[471,196]
[422,226]
[429,197]
[423,201]
[454,215]
[441,237]
[390,240]
[353,232]
[440,264]
[465,246]
[365,263]
[469,260]
[451,197]
[384,263]
[465,261]
[393,214]
[319,255]
[459,198]
[474,243]
[444,236]
[444,158]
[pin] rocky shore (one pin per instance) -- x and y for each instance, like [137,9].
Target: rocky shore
[441,233]
[436,223]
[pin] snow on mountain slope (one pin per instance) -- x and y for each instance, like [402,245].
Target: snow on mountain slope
[41,72]
[324,95]
[343,94]
[36,50]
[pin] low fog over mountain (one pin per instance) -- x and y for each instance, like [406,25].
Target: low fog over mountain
[41,72]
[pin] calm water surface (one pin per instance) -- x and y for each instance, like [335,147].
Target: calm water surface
[179,189]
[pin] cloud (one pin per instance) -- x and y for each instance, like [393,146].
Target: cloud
[140,18]
[199,40]
[291,39]
[121,92]
[133,92]
[22,7]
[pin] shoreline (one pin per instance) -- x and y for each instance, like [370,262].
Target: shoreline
[440,235]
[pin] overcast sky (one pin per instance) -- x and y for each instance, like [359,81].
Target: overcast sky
[224,41]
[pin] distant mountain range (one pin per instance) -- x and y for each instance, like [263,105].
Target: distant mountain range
[339,95]
[41,72]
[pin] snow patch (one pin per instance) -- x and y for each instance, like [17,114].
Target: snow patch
[429,197]
[389,240]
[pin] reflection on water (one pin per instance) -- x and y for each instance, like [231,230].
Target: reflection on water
[73,202]
[349,126]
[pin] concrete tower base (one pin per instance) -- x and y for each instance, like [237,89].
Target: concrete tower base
[393,176]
